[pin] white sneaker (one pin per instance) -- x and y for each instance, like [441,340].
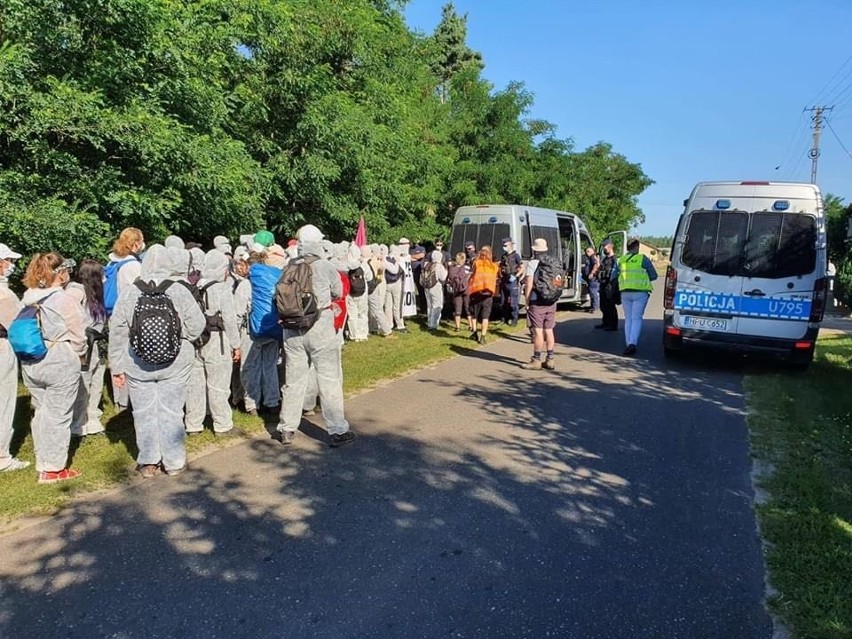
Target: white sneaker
[15,464]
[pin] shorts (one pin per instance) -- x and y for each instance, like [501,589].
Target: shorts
[461,301]
[480,306]
[541,316]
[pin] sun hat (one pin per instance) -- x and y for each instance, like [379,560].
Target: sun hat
[539,245]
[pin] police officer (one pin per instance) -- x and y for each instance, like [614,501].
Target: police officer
[608,288]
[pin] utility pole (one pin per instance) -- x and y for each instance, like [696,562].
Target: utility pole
[813,154]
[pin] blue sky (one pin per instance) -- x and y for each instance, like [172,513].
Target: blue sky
[691,90]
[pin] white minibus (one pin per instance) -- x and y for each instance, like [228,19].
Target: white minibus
[748,270]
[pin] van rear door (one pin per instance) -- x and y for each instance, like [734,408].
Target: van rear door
[780,270]
[708,288]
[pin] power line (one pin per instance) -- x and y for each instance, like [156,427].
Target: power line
[837,137]
[796,131]
[836,73]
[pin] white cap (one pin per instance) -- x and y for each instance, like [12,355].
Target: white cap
[220,240]
[241,253]
[404,240]
[8,254]
[309,234]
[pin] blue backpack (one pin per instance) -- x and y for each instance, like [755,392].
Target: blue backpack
[111,283]
[263,320]
[25,336]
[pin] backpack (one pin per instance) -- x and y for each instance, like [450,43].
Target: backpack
[357,283]
[457,278]
[428,276]
[390,278]
[263,319]
[374,282]
[25,336]
[294,295]
[212,323]
[155,331]
[549,280]
[111,283]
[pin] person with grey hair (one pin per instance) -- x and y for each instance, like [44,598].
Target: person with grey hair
[10,306]
[157,391]
[318,347]
[210,379]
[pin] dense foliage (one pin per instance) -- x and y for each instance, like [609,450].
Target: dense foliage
[225,116]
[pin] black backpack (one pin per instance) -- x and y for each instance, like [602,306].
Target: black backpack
[212,323]
[391,278]
[155,331]
[357,283]
[294,295]
[549,280]
[374,282]
[457,278]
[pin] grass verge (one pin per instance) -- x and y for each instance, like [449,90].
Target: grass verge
[108,459]
[801,428]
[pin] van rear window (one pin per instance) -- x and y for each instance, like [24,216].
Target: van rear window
[716,241]
[479,234]
[763,244]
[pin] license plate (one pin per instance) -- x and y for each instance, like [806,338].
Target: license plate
[704,323]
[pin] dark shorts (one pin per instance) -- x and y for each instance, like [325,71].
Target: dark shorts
[541,316]
[480,307]
[461,301]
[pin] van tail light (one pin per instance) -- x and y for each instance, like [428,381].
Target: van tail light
[818,303]
[674,331]
[803,346]
[669,291]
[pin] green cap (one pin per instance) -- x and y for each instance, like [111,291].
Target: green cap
[264,238]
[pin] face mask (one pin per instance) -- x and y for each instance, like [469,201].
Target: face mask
[9,270]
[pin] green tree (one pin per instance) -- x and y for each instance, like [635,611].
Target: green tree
[448,50]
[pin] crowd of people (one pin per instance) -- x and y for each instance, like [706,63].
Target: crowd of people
[186,333]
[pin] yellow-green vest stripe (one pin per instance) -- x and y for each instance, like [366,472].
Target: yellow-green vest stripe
[631,275]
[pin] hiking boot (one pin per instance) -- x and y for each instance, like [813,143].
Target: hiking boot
[483,339]
[342,439]
[630,350]
[549,364]
[532,365]
[148,470]
[53,476]
[475,336]
[286,437]
[15,464]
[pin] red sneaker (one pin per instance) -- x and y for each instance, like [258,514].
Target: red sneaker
[53,476]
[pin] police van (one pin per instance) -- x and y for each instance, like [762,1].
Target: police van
[566,234]
[748,270]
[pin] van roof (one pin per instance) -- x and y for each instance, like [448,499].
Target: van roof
[793,190]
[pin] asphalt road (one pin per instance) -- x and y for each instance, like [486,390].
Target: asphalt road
[610,498]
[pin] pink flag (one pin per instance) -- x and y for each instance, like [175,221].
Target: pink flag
[361,233]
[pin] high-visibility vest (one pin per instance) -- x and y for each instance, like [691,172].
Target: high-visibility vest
[631,274]
[484,277]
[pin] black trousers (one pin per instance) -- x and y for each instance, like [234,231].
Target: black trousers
[610,314]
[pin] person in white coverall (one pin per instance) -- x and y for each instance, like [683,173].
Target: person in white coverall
[357,306]
[157,391]
[318,347]
[210,379]
[88,293]
[54,381]
[394,279]
[10,306]
[435,294]
[376,300]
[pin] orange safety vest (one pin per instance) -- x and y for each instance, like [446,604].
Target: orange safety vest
[484,277]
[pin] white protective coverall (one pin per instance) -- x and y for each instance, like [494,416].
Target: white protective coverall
[318,347]
[357,320]
[157,392]
[435,294]
[87,411]
[54,382]
[393,291]
[9,309]
[210,379]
